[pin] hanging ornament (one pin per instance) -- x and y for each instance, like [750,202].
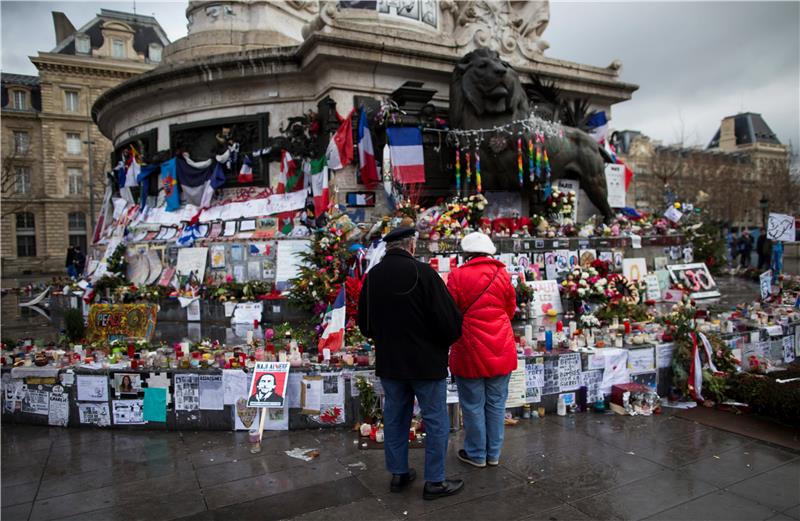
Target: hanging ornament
[538,160]
[546,162]
[531,159]
[458,172]
[519,162]
[469,174]
[478,168]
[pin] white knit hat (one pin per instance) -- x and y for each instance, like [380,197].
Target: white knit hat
[477,242]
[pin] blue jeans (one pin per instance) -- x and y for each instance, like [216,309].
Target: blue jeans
[398,409]
[483,407]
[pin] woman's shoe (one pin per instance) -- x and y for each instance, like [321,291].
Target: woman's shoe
[462,455]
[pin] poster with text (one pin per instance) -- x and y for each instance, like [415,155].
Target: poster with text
[516,386]
[212,394]
[615,183]
[569,371]
[268,384]
[94,413]
[92,388]
[36,399]
[192,261]
[546,296]
[58,414]
[187,392]
[128,412]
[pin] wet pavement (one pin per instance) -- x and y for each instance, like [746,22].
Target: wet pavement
[585,466]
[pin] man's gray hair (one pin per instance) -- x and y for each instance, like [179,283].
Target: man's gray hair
[402,244]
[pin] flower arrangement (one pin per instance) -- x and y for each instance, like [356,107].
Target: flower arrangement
[476,206]
[560,204]
[585,284]
[369,402]
[589,321]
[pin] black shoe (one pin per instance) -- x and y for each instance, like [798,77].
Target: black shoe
[401,481]
[445,488]
[462,455]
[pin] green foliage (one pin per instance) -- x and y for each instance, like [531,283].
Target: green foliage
[780,401]
[708,246]
[370,404]
[323,271]
[74,327]
[117,262]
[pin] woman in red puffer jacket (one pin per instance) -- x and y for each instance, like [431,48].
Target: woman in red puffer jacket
[485,355]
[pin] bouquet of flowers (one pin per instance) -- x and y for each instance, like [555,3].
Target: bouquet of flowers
[561,204]
[585,284]
[476,205]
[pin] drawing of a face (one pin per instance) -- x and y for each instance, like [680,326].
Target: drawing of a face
[266,384]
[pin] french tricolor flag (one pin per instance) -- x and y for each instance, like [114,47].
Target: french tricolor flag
[408,160]
[366,153]
[333,336]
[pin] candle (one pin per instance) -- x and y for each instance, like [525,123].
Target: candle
[627,327]
[131,350]
[559,326]
[548,340]
[529,334]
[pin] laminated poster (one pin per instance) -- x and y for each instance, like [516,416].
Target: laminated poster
[58,413]
[211,392]
[634,269]
[193,311]
[127,383]
[517,392]
[591,380]
[551,385]
[247,313]
[187,392]
[128,412]
[217,256]
[277,419]
[545,296]
[94,413]
[569,371]
[615,184]
[36,399]
[234,385]
[641,360]
[92,388]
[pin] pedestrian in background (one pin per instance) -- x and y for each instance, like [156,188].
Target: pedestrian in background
[763,249]
[79,261]
[406,309]
[484,357]
[70,263]
[745,248]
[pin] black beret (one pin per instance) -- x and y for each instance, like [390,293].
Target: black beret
[399,234]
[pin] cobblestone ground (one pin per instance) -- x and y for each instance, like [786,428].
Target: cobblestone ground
[579,467]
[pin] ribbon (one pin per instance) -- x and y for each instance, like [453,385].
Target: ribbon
[695,383]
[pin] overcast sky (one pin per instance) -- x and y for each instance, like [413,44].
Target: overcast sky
[694,62]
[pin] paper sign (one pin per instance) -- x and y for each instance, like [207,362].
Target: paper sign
[187,392]
[551,385]
[192,260]
[545,296]
[311,394]
[211,392]
[780,227]
[193,311]
[58,414]
[765,284]
[247,313]
[288,258]
[92,388]
[615,370]
[673,214]
[268,384]
[94,413]
[653,287]
[155,404]
[217,256]
[128,412]
[234,385]
[591,380]
[615,184]
[641,360]
[696,278]
[294,390]
[36,400]
[634,269]
[278,419]
[664,355]
[569,371]
[788,349]
[516,386]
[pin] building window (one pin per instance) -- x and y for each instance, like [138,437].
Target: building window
[22,141]
[20,100]
[117,48]
[26,235]
[82,44]
[75,178]
[22,179]
[73,143]
[155,53]
[77,229]
[71,100]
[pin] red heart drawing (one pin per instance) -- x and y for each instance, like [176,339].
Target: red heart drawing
[546,307]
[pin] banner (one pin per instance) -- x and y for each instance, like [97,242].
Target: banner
[121,321]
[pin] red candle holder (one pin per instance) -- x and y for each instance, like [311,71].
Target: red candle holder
[131,350]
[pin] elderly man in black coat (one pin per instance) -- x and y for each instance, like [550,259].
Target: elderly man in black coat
[406,309]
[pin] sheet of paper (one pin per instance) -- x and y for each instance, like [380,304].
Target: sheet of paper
[193,311]
[569,371]
[641,360]
[58,413]
[546,296]
[234,384]
[36,399]
[192,260]
[517,391]
[230,229]
[247,312]
[781,227]
[615,185]
[94,413]
[187,392]
[155,404]
[551,384]
[128,412]
[788,349]
[311,394]
[293,390]
[92,388]
[247,225]
[615,370]
[591,380]
[288,258]
[211,392]
[277,419]
[664,355]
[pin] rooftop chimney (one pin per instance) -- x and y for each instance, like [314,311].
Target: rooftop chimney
[63,26]
[727,134]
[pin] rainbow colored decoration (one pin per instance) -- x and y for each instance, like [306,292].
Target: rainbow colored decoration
[469,172]
[538,160]
[458,171]
[546,165]
[477,171]
[530,160]
[519,161]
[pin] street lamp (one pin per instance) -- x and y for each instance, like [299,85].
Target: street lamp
[764,205]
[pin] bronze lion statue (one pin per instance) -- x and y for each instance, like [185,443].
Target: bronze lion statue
[486,92]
